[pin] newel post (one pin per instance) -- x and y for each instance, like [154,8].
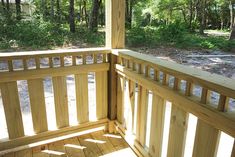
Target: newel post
[115,39]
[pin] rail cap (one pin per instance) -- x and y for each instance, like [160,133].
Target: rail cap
[214,82]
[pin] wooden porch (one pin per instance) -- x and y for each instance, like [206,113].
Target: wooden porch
[131,96]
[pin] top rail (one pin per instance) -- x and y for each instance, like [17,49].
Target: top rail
[51,53]
[214,82]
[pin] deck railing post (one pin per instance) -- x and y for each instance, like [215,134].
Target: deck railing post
[115,39]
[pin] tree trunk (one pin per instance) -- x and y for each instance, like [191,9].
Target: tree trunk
[93,22]
[8,6]
[3,6]
[52,9]
[18,9]
[202,16]
[71,16]
[191,14]
[231,14]
[58,10]
[232,35]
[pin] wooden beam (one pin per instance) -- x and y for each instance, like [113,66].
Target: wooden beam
[115,38]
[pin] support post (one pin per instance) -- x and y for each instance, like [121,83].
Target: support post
[115,39]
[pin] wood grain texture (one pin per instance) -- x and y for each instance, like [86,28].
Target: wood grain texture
[143,115]
[120,99]
[52,72]
[101,94]
[24,153]
[92,149]
[104,144]
[38,151]
[178,130]
[222,121]
[12,110]
[206,140]
[81,86]
[73,148]
[58,147]
[37,102]
[115,23]
[61,101]
[157,125]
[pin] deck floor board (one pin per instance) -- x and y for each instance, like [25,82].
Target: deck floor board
[96,144]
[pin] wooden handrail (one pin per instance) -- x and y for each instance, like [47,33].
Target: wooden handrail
[151,74]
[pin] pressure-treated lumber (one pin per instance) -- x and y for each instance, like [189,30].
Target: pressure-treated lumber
[39,138]
[73,148]
[101,81]
[61,101]
[157,125]
[52,72]
[219,120]
[11,104]
[143,115]
[81,85]
[38,107]
[120,99]
[207,137]
[214,82]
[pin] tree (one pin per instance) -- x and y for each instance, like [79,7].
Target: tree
[93,23]
[18,9]
[52,9]
[71,16]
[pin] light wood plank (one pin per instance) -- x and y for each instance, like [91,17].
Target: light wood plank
[38,151]
[131,114]
[117,141]
[12,110]
[157,125]
[73,148]
[81,83]
[120,99]
[206,140]
[9,155]
[24,153]
[101,94]
[112,88]
[143,115]
[37,102]
[207,137]
[92,149]
[178,130]
[115,23]
[104,144]
[61,101]
[222,121]
[58,147]
[52,72]
[44,136]
[138,114]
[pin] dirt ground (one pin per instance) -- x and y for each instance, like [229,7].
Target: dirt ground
[222,63]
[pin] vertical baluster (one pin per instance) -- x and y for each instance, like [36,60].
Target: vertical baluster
[223,103]
[12,110]
[178,128]
[81,85]
[62,61]
[37,103]
[156,75]
[50,62]
[104,58]
[37,61]
[165,80]
[25,66]
[101,94]
[207,137]
[84,59]
[120,99]
[157,125]
[61,101]
[10,65]
[95,58]
[74,60]
[189,88]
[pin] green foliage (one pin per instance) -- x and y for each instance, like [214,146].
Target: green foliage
[172,32]
[38,33]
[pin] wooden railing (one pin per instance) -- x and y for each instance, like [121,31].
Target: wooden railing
[140,75]
[57,64]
